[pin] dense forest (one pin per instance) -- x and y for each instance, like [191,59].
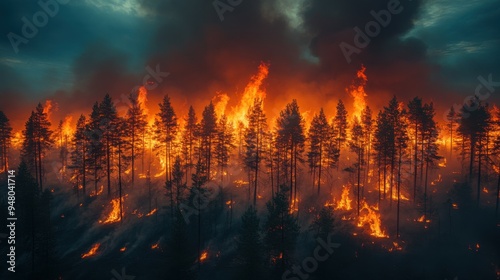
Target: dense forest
[376,193]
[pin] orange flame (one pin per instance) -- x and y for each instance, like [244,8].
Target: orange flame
[252,91]
[151,213]
[142,98]
[92,251]
[114,215]
[204,256]
[357,91]
[220,104]
[155,246]
[48,108]
[345,201]
[370,215]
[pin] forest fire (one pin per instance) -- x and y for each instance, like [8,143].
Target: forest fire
[92,251]
[114,215]
[369,216]
[345,202]
[357,91]
[151,212]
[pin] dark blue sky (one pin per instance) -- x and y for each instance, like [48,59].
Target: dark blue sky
[435,49]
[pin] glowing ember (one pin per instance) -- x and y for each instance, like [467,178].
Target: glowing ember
[92,251]
[151,213]
[155,246]
[345,201]
[114,215]
[357,91]
[123,249]
[421,219]
[99,192]
[369,215]
[485,190]
[204,256]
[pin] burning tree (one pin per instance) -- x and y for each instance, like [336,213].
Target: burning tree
[318,139]
[165,130]
[254,142]
[37,139]
[78,154]
[357,145]
[290,130]
[189,137]
[136,120]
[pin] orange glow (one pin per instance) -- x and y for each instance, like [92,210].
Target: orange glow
[370,216]
[345,201]
[357,91]
[123,249]
[204,256]
[99,192]
[485,190]
[48,108]
[252,91]
[421,219]
[92,251]
[114,215]
[220,103]
[142,98]
[151,213]
[17,140]
[155,246]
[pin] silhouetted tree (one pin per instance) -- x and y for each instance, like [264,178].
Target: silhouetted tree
[136,124]
[357,145]
[318,138]
[208,134]
[189,137]
[281,232]
[166,130]
[79,154]
[290,129]
[340,125]
[254,136]
[250,248]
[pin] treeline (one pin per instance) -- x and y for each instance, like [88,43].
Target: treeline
[401,141]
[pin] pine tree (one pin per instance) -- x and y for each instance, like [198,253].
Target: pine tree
[208,134]
[224,144]
[290,129]
[166,129]
[96,149]
[281,232]
[79,154]
[108,123]
[415,118]
[430,136]
[37,140]
[474,127]
[250,247]
[189,138]
[323,224]
[367,124]
[136,120]
[254,136]
[318,139]
[340,125]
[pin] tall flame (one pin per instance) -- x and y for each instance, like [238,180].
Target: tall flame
[48,108]
[344,202]
[369,215]
[114,215]
[252,91]
[357,91]
[142,97]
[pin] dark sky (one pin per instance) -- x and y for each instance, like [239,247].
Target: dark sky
[434,49]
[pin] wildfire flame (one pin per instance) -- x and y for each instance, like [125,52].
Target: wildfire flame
[114,215]
[92,251]
[151,213]
[252,91]
[344,202]
[369,215]
[357,91]
[204,256]
[48,108]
